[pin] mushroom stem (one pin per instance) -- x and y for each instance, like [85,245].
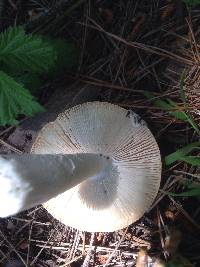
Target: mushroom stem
[30,179]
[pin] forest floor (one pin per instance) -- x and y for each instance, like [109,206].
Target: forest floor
[126,48]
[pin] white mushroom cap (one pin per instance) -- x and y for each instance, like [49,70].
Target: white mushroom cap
[126,188]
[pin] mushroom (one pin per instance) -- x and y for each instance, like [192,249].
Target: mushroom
[29,179]
[115,161]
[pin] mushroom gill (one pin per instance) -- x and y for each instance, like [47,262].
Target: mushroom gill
[126,187]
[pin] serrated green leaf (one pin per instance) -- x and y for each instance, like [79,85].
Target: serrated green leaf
[25,52]
[179,154]
[15,100]
[31,81]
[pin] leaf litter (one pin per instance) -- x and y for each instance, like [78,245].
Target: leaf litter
[126,48]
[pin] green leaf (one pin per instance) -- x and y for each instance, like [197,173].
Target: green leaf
[193,123]
[179,154]
[67,56]
[25,52]
[15,100]
[191,2]
[31,81]
[193,190]
[173,109]
[167,105]
[157,102]
[190,193]
[194,161]
[182,92]
[184,98]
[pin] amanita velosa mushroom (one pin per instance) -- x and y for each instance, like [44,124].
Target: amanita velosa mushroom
[105,177]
